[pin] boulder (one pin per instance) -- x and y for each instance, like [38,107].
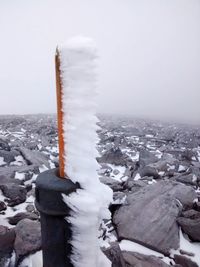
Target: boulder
[7,239]
[149,171]
[33,157]
[184,261]
[146,157]
[15,193]
[190,227]
[113,184]
[4,144]
[22,215]
[114,254]
[149,217]
[189,179]
[136,259]
[115,156]
[9,156]
[28,238]
[2,206]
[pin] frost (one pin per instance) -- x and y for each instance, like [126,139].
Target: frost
[89,205]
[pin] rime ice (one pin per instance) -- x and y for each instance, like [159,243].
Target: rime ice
[90,204]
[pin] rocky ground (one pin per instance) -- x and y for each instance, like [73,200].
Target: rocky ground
[153,169]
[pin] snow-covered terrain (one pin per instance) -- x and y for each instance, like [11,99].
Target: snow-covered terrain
[153,169]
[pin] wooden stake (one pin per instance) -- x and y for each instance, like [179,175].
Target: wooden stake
[60,117]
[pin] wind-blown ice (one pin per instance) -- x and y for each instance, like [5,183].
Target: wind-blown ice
[89,204]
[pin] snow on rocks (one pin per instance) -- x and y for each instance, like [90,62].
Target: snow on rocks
[150,215]
[89,204]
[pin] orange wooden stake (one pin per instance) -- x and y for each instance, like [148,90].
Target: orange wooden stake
[60,117]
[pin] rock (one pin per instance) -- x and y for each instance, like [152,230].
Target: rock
[191,214]
[189,179]
[9,156]
[30,208]
[28,238]
[7,238]
[114,254]
[4,144]
[113,184]
[190,227]
[146,157]
[15,193]
[188,155]
[7,174]
[184,261]
[22,215]
[35,158]
[115,156]
[149,171]
[140,260]
[150,216]
[2,206]
[134,185]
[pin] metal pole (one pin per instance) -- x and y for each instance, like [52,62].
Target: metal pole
[56,231]
[60,117]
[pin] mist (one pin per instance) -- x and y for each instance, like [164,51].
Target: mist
[149,57]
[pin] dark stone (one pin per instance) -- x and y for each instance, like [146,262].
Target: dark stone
[146,157]
[28,238]
[184,261]
[2,206]
[157,206]
[189,179]
[115,156]
[190,227]
[140,260]
[9,156]
[15,193]
[4,144]
[149,171]
[35,158]
[114,254]
[22,215]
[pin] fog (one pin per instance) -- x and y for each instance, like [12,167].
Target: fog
[149,56]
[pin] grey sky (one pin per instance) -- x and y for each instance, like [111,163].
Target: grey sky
[149,54]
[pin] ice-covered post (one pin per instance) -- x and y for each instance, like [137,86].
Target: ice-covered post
[72,209]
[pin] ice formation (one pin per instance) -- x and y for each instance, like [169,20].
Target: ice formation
[89,204]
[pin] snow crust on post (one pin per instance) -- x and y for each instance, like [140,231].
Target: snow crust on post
[89,204]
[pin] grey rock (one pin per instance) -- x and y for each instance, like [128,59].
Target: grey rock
[28,238]
[150,216]
[35,158]
[146,157]
[134,185]
[9,156]
[184,261]
[149,171]
[190,227]
[191,214]
[2,206]
[30,208]
[140,260]
[4,144]
[115,156]
[114,254]
[15,193]
[7,239]
[113,184]
[189,179]
[22,215]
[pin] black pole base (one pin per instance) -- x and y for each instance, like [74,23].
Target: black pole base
[56,231]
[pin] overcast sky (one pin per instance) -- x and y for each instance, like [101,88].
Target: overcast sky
[149,54]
